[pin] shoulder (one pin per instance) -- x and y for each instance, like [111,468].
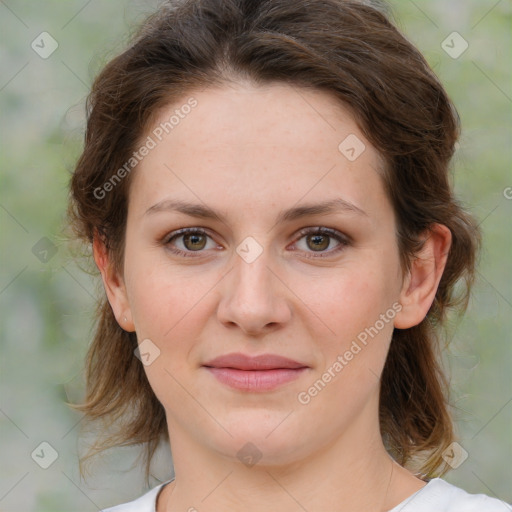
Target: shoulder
[440,496]
[146,503]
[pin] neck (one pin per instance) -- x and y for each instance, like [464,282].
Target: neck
[352,473]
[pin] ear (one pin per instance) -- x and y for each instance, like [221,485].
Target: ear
[421,283]
[114,285]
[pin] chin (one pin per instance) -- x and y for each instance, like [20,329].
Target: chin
[263,438]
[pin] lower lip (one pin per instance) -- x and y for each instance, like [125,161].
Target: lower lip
[256,380]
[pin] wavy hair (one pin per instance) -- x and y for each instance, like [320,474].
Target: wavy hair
[349,49]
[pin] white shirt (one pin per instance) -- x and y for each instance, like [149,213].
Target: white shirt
[436,496]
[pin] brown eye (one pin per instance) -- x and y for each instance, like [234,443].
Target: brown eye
[194,241]
[324,242]
[318,242]
[187,241]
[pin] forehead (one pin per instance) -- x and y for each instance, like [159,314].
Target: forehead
[260,144]
[245,114]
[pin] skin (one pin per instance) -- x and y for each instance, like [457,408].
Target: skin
[249,152]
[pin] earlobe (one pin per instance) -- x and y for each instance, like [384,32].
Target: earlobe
[421,283]
[113,284]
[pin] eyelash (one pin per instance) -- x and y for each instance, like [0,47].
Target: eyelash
[339,237]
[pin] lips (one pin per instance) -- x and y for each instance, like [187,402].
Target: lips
[257,373]
[262,362]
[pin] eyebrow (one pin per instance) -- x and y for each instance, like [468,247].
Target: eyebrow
[205,212]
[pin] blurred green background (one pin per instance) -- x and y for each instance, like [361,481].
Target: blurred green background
[47,301]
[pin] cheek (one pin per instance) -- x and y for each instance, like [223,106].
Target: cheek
[167,309]
[351,300]
[357,307]
[162,298]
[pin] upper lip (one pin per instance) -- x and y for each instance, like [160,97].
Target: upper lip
[262,362]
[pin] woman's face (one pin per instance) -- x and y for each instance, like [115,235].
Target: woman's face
[258,170]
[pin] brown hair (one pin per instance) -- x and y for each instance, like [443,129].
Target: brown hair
[349,49]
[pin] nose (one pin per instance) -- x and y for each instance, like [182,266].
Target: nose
[253,298]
